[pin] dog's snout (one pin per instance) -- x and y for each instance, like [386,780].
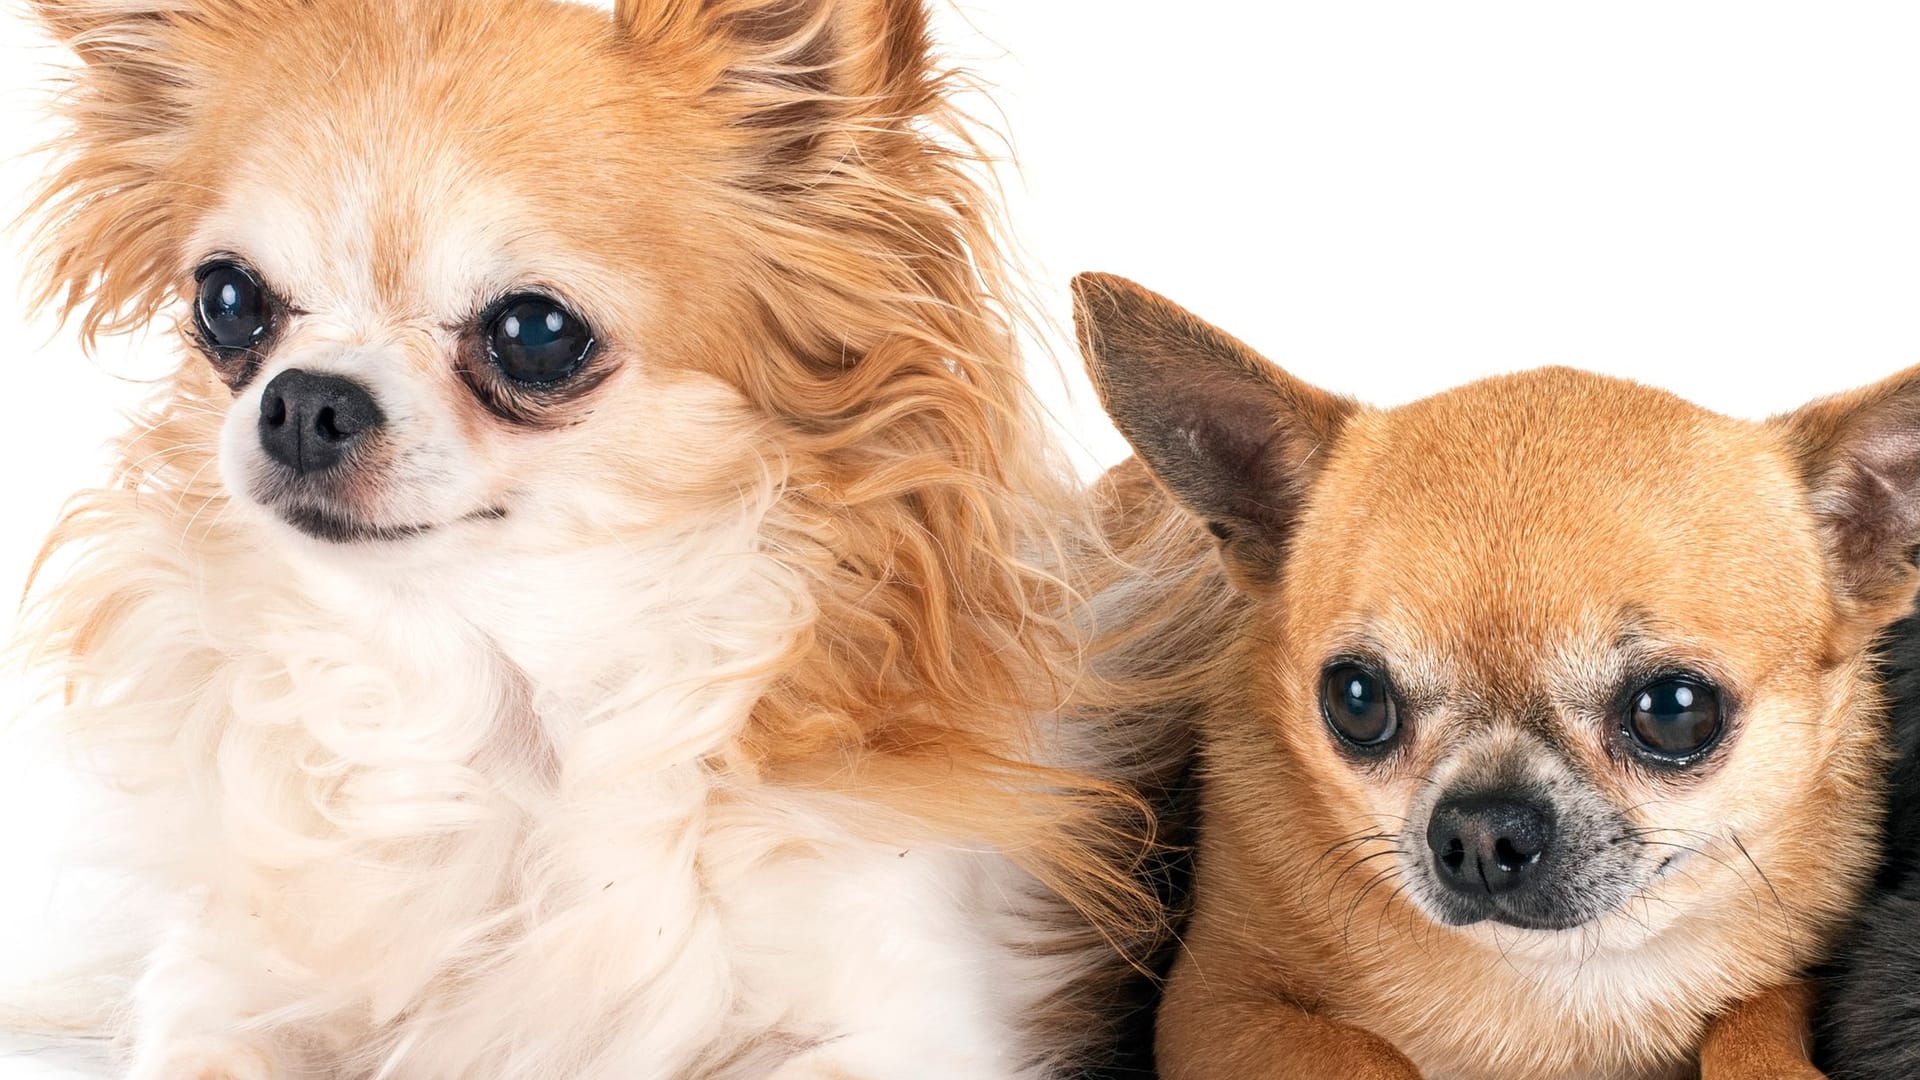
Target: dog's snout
[1488,845]
[309,423]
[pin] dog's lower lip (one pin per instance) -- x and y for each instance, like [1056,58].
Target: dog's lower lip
[322,524]
[1520,922]
[1512,919]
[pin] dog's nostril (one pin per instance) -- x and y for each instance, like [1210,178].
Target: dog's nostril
[1510,858]
[311,423]
[1489,844]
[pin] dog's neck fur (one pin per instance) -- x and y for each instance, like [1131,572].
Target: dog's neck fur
[690,625]
[417,792]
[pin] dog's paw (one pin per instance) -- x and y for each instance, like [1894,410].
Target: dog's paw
[206,1060]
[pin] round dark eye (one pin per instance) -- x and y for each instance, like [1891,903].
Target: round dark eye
[1675,718]
[232,308]
[535,340]
[1359,705]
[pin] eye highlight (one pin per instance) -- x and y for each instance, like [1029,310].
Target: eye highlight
[1359,706]
[1675,719]
[233,312]
[536,341]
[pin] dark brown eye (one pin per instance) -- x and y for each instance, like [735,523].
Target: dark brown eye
[1359,706]
[535,341]
[1674,719]
[232,310]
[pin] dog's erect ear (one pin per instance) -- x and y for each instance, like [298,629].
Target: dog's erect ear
[873,50]
[1860,456]
[108,31]
[818,83]
[105,213]
[1235,439]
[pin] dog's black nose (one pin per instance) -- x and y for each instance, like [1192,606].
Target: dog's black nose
[1488,845]
[310,422]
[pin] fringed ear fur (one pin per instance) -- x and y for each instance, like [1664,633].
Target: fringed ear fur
[104,211]
[877,52]
[817,81]
[102,31]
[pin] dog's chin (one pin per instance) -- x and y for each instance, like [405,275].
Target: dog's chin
[336,527]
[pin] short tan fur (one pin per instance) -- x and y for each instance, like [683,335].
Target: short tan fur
[1516,556]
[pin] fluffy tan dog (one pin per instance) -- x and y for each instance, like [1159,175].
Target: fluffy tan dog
[580,608]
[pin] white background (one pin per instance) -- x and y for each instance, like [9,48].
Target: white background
[1722,198]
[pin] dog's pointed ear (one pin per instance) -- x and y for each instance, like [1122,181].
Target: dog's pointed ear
[103,236]
[872,51]
[1859,455]
[1235,439]
[110,31]
[814,84]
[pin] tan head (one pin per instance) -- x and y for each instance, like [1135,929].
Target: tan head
[1565,646]
[464,283]
[455,273]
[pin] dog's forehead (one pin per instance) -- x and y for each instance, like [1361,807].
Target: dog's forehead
[345,234]
[429,156]
[1543,514]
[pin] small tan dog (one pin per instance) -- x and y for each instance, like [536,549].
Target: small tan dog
[1540,737]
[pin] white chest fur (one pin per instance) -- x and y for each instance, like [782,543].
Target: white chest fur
[474,829]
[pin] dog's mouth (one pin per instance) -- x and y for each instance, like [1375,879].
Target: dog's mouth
[334,527]
[1458,914]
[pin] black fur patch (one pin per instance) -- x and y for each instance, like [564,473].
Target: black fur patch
[1869,1027]
[1170,872]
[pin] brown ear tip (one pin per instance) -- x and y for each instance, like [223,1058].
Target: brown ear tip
[1094,287]
[1105,298]
[1094,279]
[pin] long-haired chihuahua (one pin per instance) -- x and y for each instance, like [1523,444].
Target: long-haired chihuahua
[582,606]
